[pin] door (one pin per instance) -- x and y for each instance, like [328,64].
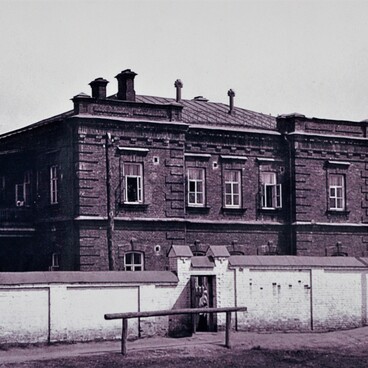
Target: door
[203,296]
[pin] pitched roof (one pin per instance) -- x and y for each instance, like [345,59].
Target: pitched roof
[82,277]
[218,251]
[195,112]
[198,112]
[180,251]
[294,261]
[202,262]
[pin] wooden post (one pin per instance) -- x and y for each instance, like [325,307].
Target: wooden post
[124,335]
[228,330]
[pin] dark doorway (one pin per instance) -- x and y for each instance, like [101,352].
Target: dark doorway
[203,296]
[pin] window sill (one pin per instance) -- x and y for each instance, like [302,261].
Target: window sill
[134,206]
[270,210]
[338,213]
[233,210]
[198,209]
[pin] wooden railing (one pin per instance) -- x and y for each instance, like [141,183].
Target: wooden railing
[125,316]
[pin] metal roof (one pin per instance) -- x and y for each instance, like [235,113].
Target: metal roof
[294,261]
[215,113]
[218,251]
[82,277]
[180,251]
[202,262]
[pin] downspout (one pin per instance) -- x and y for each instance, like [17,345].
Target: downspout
[235,299]
[292,247]
[109,206]
[311,298]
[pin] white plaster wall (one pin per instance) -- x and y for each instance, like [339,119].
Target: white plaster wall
[24,315]
[337,299]
[155,297]
[87,306]
[275,299]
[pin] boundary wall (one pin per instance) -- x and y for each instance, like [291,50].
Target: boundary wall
[284,293]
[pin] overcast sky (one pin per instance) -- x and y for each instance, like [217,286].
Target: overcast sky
[280,56]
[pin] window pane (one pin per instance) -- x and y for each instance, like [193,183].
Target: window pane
[228,199]
[132,189]
[336,180]
[227,188]
[269,195]
[199,186]
[128,258]
[199,198]
[195,174]
[191,197]
[339,203]
[137,258]
[268,178]
[236,200]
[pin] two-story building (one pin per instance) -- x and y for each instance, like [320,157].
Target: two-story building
[115,182]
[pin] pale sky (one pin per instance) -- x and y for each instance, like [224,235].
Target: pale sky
[280,56]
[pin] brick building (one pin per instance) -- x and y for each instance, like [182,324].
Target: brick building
[115,182]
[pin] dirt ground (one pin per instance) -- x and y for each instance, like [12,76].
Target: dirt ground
[212,355]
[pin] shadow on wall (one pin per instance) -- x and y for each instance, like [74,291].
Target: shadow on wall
[181,325]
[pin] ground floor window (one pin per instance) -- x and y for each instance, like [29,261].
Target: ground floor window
[134,261]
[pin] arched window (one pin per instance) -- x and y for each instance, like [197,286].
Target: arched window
[134,261]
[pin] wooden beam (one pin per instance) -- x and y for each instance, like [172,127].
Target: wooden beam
[228,330]
[169,312]
[124,335]
[193,311]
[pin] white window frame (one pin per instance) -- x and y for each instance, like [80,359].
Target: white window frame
[23,190]
[139,182]
[231,185]
[54,184]
[55,262]
[271,191]
[333,193]
[2,187]
[134,266]
[196,183]
[19,195]
[27,187]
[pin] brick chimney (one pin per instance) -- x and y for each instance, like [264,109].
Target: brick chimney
[126,85]
[99,88]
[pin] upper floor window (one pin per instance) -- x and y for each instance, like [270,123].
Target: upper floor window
[2,188]
[133,261]
[55,262]
[270,191]
[336,192]
[54,190]
[133,174]
[196,185]
[23,190]
[232,186]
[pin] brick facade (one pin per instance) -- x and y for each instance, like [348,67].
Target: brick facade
[283,166]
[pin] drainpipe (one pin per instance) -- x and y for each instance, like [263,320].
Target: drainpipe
[109,205]
[235,299]
[311,299]
[292,248]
